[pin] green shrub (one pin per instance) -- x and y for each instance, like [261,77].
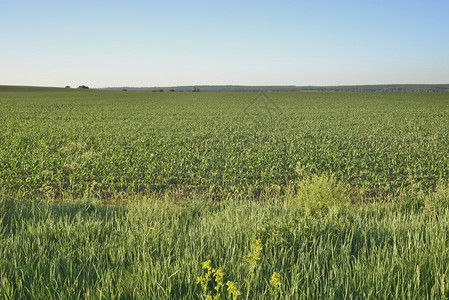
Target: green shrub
[321,195]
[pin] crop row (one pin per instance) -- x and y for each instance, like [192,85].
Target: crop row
[105,144]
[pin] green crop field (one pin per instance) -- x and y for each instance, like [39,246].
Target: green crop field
[290,195]
[103,144]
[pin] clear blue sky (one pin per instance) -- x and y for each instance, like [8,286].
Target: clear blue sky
[163,43]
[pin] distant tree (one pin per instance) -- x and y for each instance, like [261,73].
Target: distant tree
[172,90]
[196,89]
[67,86]
[161,90]
[84,87]
[124,90]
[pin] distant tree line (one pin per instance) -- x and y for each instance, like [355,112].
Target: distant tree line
[81,87]
[392,88]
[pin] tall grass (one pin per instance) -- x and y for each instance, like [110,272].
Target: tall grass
[155,249]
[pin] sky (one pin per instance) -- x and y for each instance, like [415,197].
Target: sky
[167,43]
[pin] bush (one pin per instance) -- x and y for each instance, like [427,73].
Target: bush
[321,195]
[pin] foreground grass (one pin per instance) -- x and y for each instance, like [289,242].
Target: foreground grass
[154,250]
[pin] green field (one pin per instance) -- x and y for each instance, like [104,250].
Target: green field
[125,195]
[103,144]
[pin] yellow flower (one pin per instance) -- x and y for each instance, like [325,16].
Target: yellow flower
[233,289]
[275,283]
[256,252]
[207,265]
[218,276]
[211,281]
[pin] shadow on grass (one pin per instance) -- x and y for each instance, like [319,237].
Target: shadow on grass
[13,212]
